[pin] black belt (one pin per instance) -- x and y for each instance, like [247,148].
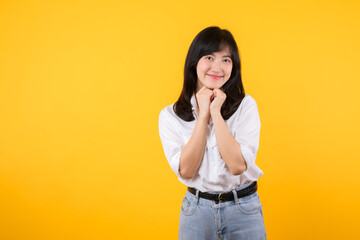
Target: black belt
[226,196]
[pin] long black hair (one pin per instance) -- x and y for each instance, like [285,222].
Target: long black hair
[210,40]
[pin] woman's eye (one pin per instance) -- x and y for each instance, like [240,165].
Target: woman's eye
[209,58]
[227,60]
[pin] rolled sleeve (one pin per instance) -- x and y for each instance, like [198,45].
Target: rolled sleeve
[247,132]
[170,140]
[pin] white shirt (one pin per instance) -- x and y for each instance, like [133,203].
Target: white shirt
[213,174]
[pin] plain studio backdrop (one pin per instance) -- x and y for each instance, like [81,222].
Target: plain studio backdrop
[82,84]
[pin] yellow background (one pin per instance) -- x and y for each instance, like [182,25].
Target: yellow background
[82,84]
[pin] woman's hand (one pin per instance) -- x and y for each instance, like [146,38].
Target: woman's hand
[204,97]
[219,99]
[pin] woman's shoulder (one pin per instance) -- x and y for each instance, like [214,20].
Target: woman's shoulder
[167,112]
[247,102]
[247,106]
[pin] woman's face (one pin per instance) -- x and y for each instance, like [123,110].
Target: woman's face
[214,70]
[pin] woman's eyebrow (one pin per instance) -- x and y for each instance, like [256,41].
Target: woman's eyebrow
[211,54]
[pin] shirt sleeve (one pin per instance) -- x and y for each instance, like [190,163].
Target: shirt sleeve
[171,141]
[247,132]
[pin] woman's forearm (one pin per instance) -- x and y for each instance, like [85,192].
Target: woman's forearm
[229,148]
[192,154]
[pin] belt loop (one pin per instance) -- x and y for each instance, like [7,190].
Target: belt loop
[197,196]
[235,196]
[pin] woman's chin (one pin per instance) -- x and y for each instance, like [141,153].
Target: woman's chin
[213,86]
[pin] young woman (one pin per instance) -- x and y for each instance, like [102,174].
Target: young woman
[210,138]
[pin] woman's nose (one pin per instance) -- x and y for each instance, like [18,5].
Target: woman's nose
[216,65]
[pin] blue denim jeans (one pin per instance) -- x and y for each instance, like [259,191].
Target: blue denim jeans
[203,219]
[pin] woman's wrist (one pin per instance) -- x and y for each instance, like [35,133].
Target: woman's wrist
[215,113]
[203,118]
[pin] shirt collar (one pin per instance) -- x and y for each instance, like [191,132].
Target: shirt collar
[194,106]
[193,102]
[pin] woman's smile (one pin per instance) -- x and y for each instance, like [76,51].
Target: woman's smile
[217,77]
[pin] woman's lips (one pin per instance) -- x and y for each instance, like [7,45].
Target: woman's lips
[217,77]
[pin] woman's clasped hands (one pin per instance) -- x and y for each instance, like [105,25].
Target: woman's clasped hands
[209,102]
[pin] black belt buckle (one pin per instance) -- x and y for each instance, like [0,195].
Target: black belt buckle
[219,197]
